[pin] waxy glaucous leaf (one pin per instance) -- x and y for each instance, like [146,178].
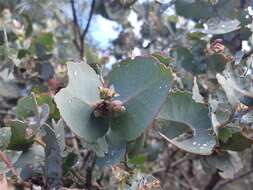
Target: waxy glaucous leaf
[204,9]
[143,84]
[186,124]
[75,102]
[226,163]
[216,26]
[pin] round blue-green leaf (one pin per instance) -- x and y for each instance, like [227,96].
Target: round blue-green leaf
[75,102]
[194,9]
[20,140]
[5,137]
[26,107]
[217,26]
[116,150]
[12,156]
[227,163]
[143,84]
[186,124]
[231,138]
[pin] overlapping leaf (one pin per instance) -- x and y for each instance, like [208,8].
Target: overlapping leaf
[75,102]
[143,84]
[5,137]
[217,26]
[203,9]
[186,124]
[227,163]
[232,139]
[20,139]
[116,150]
[194,9]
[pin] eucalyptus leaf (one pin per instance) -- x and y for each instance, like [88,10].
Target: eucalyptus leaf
[195,92]
[26,107]
[217,26]
[116,150]
[186,124]
[53,160]
[194,9]
[204,9]
[166,60]
[232,139]
[231,96]
[59,129]
[47,99]
[238,87]
[75,102]
[143,84]
[227,163]
[100,147]
[20,137]
[30,161]
[13,156]
[42,45]
[5,137]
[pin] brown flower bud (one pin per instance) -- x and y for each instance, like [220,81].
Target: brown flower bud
[117,108]
[101,109]
[105,108]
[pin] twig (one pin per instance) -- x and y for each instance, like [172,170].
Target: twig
[79,35]
[89,19]
[76,26]
[8,162]
[223,184]
[174,164]
[181,160]
[215,178]
[190,169]
[189,182]
[246,55]
[40,142]
[78,176]
[90,164]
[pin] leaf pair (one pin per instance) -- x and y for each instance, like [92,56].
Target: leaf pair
[142,84]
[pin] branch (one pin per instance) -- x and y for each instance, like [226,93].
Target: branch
[215,178]
[175,164]
[8,162]
[79,35]
[90,161]
[89,19]
[76,24]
